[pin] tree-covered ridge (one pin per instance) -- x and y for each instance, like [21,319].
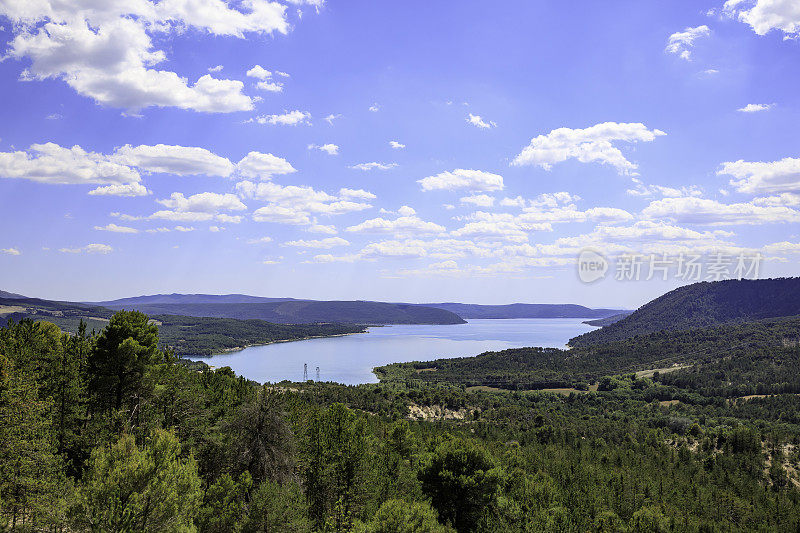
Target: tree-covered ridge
[774,340]
[306,311]
[107,432]
[704,304]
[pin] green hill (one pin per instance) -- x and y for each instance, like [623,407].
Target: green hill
[704,304]
[524,310]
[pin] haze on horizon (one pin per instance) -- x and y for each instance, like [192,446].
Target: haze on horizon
[414,151]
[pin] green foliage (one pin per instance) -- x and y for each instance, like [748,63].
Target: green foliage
[276,507]
[128,488]
[224,504]
[702,305]
[399,516]
[461,479]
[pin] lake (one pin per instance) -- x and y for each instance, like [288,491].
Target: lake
[350,359]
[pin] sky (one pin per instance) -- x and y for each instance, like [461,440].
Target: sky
[399,151]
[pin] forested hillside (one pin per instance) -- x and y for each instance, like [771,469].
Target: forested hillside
[158,446]
[702,305]
[524,310]
[305,311]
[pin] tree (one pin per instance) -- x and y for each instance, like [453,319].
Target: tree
[262,442]
[276,507]
[30,483]
[399,516]
[224,504]
[334,456]
[119,366]
[153,488]
[462,480]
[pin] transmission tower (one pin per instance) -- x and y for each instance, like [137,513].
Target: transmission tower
[317,373]
[305,372]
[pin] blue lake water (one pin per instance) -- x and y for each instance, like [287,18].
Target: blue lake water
[351,358]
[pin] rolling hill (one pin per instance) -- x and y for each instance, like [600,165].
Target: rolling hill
[519,310]
[285,311]
[702,305]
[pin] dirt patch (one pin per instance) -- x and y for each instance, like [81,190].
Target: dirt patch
[420,370]
[435,412]
[665,370]
[8,309]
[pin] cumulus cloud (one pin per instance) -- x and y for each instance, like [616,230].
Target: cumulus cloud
[171,159]
[266,82]
[373,166]
[330,242]
[755,108]
[204,202]
[118,189]
[763,177]
[712,213]
[116,229]
[589,145]
[478,122]
[764,16]
[409,224]
[51,163]
[263,166]
[682,42]
[396,145]
[328,148]
[476,180]
[88,249]
[641,189]
[296,205]
[287,118]
[787,198]
[105,50]
[478,200]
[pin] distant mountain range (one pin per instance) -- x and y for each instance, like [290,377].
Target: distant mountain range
[703,305]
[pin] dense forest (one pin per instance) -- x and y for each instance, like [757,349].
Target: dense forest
[108,432]
[702,305]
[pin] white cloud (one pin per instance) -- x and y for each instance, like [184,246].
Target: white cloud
[682,42]
[408,224]
[204,202]
[329,242]
[330,118]
[477,121]
[260,240]
[373,166]
[396,145]
[588,145]
[263,166]
[106,50]
[476,180]
[479,200]
[767,15]
[356,193]
[118,189]
[171,159]
[116,229]
[764,177]
[641,189]
[295,205]
[787,198]
[217,68]
[51,163]
[754,108]
[89,249]
[259,72]
[270,86]
[10,251]
[328,148]
[499,226]
[288,118]
[185,229]
[374,108]
[713,213]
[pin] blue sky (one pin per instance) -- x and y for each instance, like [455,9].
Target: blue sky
[414,151]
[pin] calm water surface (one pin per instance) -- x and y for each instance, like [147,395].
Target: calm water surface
[350,359]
